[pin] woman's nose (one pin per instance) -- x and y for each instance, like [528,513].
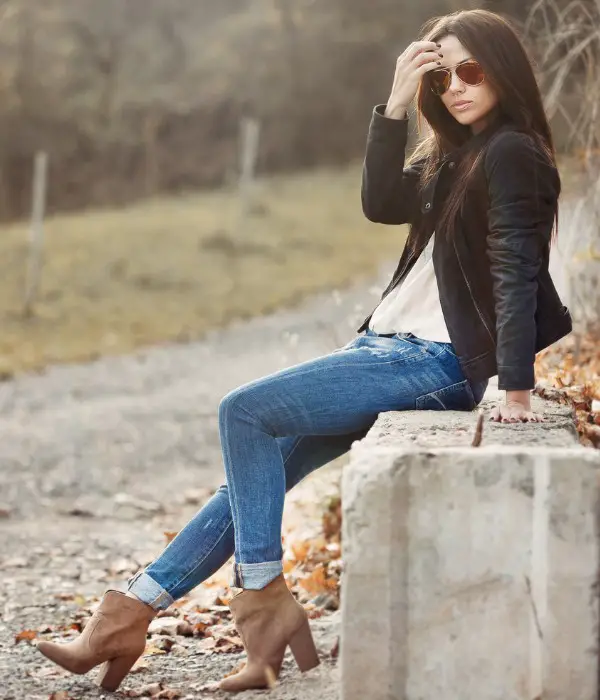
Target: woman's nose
[455,83]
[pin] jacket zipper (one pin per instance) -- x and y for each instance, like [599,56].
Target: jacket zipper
[472,295]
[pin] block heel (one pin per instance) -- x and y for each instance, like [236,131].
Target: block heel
[112,672]
[303,648]
[269,620]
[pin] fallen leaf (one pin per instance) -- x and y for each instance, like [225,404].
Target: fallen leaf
[317,581]
[123,566]
[164,643]
[170,535]
[207,644]
[152,689]
[25,636]
[164,625]
[236,669]
[212,687]
[270,678]
[300,550]
[139,666]
[48,672]
[153,650]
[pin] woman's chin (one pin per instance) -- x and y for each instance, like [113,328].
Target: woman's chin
[465,119]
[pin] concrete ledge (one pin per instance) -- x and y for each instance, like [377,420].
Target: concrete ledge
[470,573]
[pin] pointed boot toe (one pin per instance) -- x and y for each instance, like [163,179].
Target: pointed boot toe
[62,655]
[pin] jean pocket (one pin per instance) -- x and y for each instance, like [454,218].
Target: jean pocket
[456,397]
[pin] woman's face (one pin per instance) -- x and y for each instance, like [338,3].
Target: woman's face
[481,98]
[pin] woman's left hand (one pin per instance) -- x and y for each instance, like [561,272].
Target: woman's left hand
[515,412]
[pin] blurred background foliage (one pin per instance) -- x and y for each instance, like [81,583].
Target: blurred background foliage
[133,98]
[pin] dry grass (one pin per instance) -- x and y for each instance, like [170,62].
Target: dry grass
[172,268]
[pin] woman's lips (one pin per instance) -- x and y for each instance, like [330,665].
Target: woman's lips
[463,105]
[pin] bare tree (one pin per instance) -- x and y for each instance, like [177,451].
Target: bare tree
[568,39]
[569,45]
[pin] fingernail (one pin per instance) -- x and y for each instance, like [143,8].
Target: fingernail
[438,45]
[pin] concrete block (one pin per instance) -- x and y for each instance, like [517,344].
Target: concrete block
[470,573]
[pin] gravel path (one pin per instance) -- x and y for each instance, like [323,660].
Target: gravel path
[97,461]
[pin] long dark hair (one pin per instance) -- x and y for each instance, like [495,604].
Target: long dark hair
[495,43]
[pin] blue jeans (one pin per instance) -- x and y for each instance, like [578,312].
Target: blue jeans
[276,430]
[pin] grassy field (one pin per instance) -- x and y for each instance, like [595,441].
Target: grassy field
[170,269]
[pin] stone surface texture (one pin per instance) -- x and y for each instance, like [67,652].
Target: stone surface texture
[470,572]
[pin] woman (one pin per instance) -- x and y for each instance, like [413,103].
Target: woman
[471,298]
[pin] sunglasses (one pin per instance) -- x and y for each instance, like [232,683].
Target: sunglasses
[469,72]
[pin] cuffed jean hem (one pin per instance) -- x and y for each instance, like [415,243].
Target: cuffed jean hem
[149,592]
[256,576]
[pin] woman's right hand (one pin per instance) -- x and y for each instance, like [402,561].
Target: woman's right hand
[419,58]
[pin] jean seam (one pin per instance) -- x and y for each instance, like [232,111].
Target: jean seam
[443,388]
[421,355]
[432,394]
[204,558]
[298,441]
[160,596]
[259,563]
[232,499]
[164,593]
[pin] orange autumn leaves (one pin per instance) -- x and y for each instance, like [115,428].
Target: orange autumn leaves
[570,374]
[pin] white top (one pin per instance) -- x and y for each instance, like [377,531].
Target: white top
[414,305]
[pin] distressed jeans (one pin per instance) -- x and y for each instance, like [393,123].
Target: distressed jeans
[276,430]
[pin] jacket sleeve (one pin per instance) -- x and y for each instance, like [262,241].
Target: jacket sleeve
[389,191]
[523,186]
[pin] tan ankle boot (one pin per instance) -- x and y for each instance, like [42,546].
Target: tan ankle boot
[267,621]
[115,635]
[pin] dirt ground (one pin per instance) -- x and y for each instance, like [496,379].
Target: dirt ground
[99,460]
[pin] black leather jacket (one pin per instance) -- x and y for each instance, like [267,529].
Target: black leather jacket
[498,299]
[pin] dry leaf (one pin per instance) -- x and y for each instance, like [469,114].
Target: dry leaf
[300,550]
[25,636]
[139,666]
[168,694]
[270,678]
[237,669]
[153,650]
[48,672]
[317,581]
[164,625]
[207,644]
[151,689]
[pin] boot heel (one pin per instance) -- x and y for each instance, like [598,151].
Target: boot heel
[112,672]
[303,648]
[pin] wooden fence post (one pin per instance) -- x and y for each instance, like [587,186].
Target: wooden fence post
[36,232]
[249,138]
